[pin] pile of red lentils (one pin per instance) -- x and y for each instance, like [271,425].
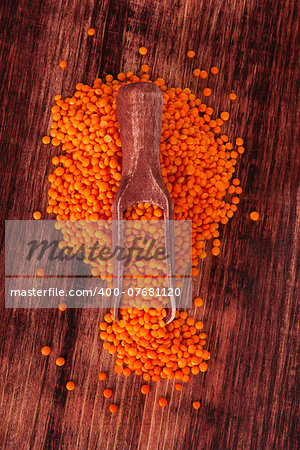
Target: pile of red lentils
[197,160]
[198,165]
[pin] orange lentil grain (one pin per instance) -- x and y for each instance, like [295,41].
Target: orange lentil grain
[121,76]
[224,115]
[190,54]
[178,387]
[232,96]
[207,92]
[163,402]
[196,72]
[254,215]
[107,393]
[203,74]
[143,51]
[214,70]
[198,301]
[113,408]
[60,361]
[196,405]
[199,325]
[145,389]
[91,32]
[37,215]
[239,141]
[63,64]
[102,376]
[62,307]
[215,251]
[46,350]
[46,140]
[203,367]
[145,68]
[70,385]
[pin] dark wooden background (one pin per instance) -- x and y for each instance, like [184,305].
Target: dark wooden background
[248,395]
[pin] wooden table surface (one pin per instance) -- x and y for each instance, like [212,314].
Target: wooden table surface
[248,395]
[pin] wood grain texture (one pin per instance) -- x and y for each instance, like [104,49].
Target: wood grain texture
[249,394]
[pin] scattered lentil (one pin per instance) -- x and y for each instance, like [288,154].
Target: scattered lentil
[70,385]
[190,54]
[46,140]
[198,301]
[63,64]
[113,408]
[224,115]
[214,70]
[145,389]
[107,393]
[46,350]
[215,251]
[37,215]
[163,402]
[199,325]
[254,215]
[60,361]
[143,51]
[203,366]
[145,68]
[207,92]
[62,307]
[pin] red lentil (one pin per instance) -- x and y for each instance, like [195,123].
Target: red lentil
[163,402]
[70,385]
[143,51]
[62,307]
[63,64]
[46,140]
[107,393]
[254,216]
[198,301]
[113,408]
[60,361]
[145,389]
[46,350]
[37,215]
[190,54]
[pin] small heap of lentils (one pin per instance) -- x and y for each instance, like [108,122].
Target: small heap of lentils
[144,345]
